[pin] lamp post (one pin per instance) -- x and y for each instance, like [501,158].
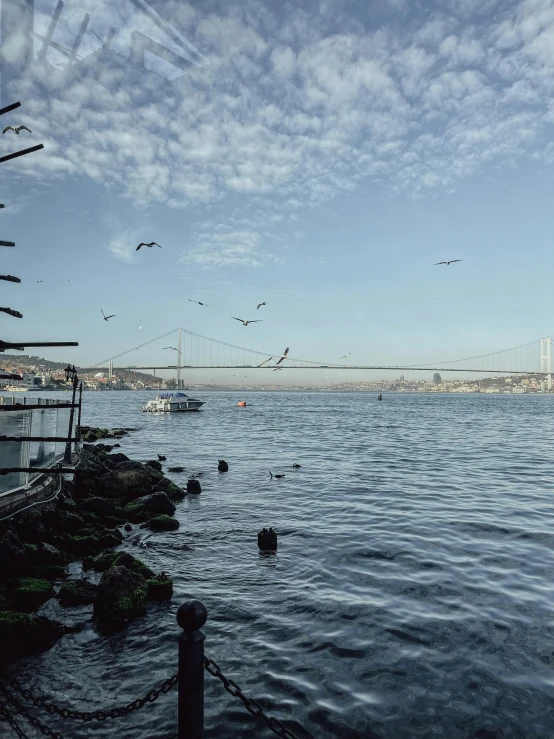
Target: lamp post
[70,374]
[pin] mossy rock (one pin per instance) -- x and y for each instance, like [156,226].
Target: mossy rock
[121,596]
[21,633]
[88,563]
[162,523]
[160,588]
[77,593]
[31,593]
[49,572]
[5,604]
[174,493]
[83,545]
[120,559]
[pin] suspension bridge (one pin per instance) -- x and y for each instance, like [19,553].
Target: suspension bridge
[195,351]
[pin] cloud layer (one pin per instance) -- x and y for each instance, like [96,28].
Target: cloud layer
[291,108]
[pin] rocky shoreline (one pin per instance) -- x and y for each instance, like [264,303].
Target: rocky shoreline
[84,523]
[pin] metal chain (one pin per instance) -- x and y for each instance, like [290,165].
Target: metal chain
[249,703]
[115,712]
[6,715]
[46,730]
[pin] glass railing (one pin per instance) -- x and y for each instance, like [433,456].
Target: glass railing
[49,421]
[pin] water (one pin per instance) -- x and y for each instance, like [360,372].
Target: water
[412,594]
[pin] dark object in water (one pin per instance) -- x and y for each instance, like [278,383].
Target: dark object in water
[296,466]
[175,469]
[222,466]
[267,540]
[379,397]
[193,487]
[161,458]
[128,527]
[272,475]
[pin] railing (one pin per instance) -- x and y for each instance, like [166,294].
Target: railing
[191,616]
[34,434]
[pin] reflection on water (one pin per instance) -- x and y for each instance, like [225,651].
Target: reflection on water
[412,592]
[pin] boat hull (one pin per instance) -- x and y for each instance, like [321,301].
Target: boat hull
[174,404]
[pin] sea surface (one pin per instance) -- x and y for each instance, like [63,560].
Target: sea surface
[412,594]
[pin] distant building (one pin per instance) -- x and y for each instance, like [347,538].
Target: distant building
[437,379]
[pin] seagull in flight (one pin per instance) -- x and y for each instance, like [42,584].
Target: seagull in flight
[277,368]
[346,355]
[142,243]
[39,281]
[197,301]
[106,318]
[245,323]
[266,361]
[17,129]
[449,262]
[140,324]
[174,348]
[260,305]
[283,355]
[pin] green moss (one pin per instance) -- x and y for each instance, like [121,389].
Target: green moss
[113,559]
[104,561]
[11,621]
[31,593]
[131,606]
[49,572]
[163,523]
[174,493]
[131,508]
[159,588]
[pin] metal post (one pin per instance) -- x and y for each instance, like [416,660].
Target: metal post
[191,616]
[67,455]
[178,359]
[78,429]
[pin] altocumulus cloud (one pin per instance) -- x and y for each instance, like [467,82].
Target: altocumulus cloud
[294,107]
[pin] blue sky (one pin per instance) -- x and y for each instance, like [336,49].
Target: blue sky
[319,156]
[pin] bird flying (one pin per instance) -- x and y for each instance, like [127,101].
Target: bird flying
[260,305]
[346,355]
[142,243]
[449,262]
[266,361]
[39,281]
[277,368]
[197,301]
[140,324]
[245,323]
[14,313]
[17,129]
[283,355]
[172,347]
[106,318]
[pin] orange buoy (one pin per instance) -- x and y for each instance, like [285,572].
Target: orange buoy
[241,403]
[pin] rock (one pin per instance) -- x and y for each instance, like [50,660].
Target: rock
[222,466]
[267,540]
[31,593]
[84,545]
[128,483]
[88,563]
[130,465]
[64,521]
[120,559]
[12,553]
[49,572]
[143,508]
[161,523]
[100,506]
[5,604]
[175,469]
[154,464]
[49,554]
[121,596]
[128,527]
[89,436]
[174,493]
[118,458]
[160,587]
[193,487]
[68,504]
[21,633]
[77,593]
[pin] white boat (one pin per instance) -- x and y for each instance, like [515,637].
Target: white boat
[16,389]
[172,403]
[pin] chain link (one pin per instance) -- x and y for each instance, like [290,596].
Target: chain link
[252,706]
[6,715]
[46,730]
[115,712]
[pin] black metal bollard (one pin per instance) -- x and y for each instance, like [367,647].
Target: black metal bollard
[267,540]
[191,616]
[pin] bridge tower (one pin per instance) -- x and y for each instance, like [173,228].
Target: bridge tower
[178,359]
[546,363]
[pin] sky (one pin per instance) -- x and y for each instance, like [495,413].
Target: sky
[318,156]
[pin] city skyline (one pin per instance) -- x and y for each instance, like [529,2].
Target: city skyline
[320,159]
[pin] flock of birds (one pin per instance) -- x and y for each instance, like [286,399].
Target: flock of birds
[221,467]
